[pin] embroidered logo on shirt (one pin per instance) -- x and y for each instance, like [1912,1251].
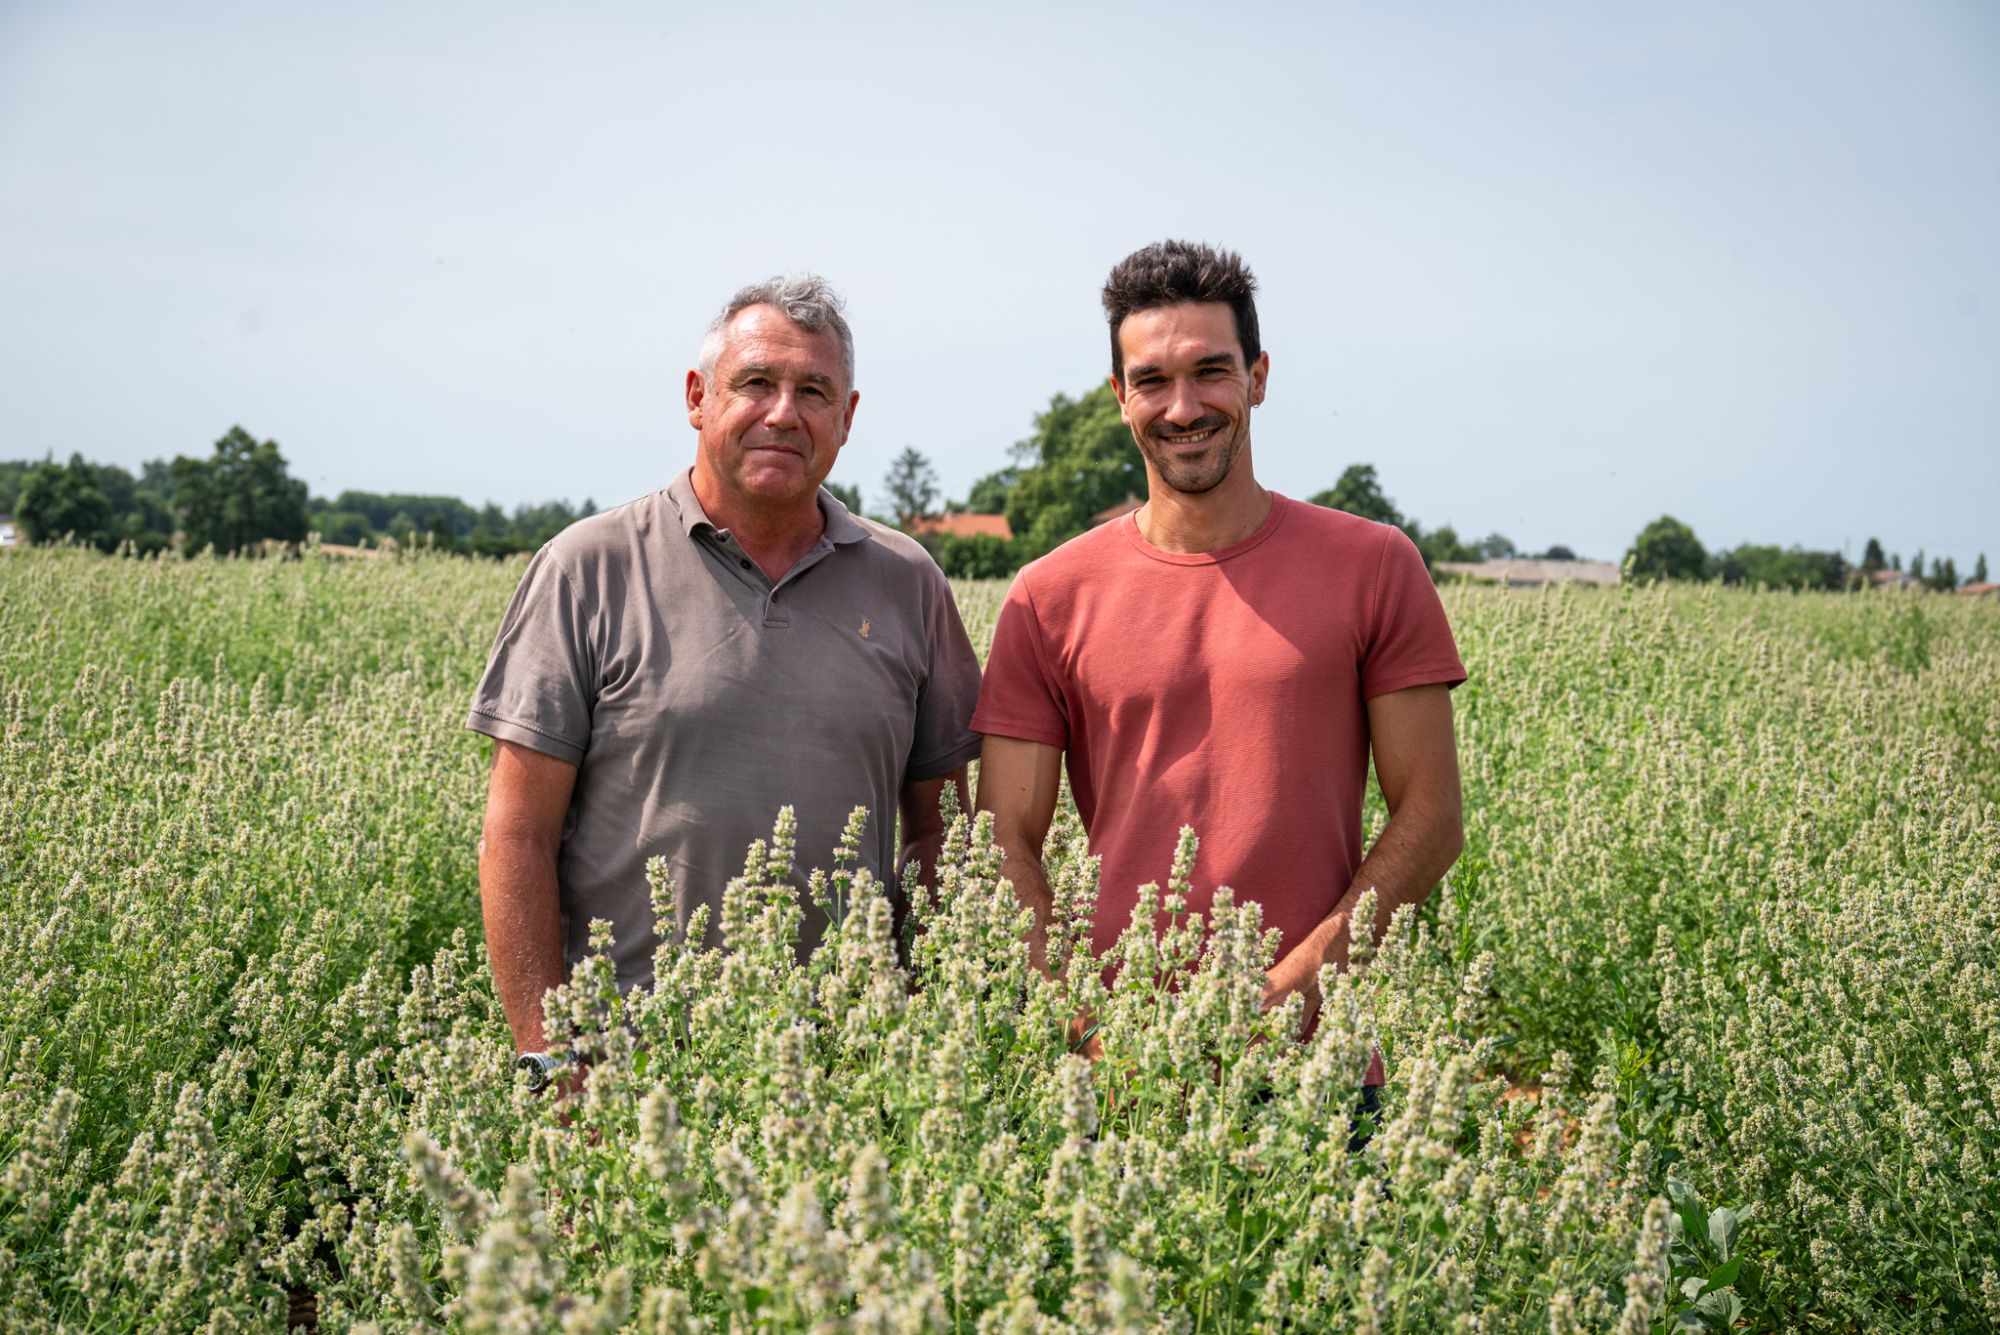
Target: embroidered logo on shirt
[864,628]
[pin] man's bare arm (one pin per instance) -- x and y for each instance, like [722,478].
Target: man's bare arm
[1416,762]
[527,798]
[1018,783]
[923,824]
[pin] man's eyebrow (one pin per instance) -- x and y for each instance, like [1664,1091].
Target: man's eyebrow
[774,373]
[1213,359]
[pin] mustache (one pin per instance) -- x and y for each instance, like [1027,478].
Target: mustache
[1207,422]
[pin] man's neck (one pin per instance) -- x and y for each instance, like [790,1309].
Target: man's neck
[775,539]
[1208,521]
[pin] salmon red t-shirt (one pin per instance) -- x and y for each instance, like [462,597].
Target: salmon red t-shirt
[1224,690]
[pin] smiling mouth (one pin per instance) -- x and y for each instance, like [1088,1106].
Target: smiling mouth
[1195,437]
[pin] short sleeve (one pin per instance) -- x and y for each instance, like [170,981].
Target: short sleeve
[944,739]
[1410,641]
[541,683]
[1022,696]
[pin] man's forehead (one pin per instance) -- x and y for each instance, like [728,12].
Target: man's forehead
[1202,332]
[765,337]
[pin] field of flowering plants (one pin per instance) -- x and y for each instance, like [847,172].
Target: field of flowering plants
[1703,1031]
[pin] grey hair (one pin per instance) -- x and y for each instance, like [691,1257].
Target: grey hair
[807,302]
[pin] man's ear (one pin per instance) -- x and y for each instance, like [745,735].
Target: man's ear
[1118,392]
[697,387]
[1259,374]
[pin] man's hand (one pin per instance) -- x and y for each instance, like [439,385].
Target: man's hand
[1018,783]
[527,799]
[1416,763]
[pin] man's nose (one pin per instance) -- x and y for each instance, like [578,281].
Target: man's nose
[1185,406]
[784,410]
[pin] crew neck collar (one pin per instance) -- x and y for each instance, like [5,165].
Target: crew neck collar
[1280,504]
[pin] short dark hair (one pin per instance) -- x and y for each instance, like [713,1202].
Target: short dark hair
[1168,273]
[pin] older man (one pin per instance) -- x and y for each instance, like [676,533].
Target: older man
[1224,658]
[673,671]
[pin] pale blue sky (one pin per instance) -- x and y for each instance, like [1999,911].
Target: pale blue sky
[1553,269]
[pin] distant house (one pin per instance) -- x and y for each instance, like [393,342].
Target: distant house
[10,533]
[963,526]
[1895,579]
[1521,573]
[1118,511]
[1979,590]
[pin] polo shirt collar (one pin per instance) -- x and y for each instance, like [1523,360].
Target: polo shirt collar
[841,526]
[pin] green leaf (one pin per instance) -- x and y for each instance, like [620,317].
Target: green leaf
[1722,1231]
[1724,1275]
[1720,1308]
[1688,1208]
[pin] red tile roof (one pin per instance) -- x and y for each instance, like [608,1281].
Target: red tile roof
[964,526]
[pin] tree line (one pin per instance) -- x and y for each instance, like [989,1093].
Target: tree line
[242,496]
[1077,463]
[1669,549]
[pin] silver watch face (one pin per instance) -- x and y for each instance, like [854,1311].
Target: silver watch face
[537,1068]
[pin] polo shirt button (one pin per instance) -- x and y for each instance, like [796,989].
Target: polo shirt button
[746,565]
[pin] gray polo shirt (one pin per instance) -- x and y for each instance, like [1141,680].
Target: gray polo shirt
[696,697]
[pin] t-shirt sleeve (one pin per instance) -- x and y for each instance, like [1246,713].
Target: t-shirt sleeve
[1411,642]
[1022,696]
[541,682]
[944,739]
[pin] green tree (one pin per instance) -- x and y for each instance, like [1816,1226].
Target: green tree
[912,485]
[1917,564]
[1944,575]
[1440,544]
[1558,552]
[989,494]
[64,499]
[13,472]
[400,514]
[973,556]
[1786,568]
[1979,569]
[345,528]
[147,523]
[1872,559]
[1667,549]
[239,496]
[1359,492]
[536,524]
[1079,462]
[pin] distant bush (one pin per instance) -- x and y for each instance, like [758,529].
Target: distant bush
[974,556]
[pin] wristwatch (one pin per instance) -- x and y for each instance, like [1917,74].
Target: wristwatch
[540,1068]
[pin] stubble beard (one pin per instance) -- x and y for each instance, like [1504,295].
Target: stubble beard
[1192,478]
